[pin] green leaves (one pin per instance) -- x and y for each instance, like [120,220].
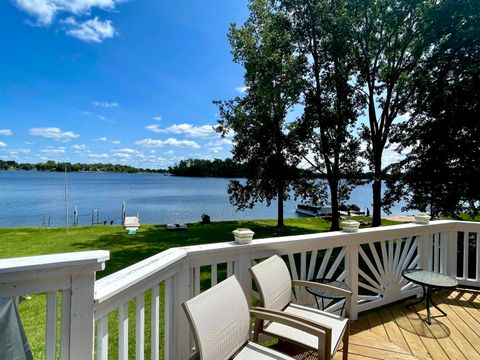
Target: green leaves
[273,76]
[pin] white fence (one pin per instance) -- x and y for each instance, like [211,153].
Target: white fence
[143,301]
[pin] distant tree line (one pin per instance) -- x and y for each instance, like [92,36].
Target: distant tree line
[51,165]
[410,67]
[208,168]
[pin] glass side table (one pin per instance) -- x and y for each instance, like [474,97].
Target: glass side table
[326,294]
[429,280]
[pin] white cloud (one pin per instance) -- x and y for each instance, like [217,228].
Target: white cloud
[2,145]
[98,156]
[241,89]
[129,151]
[220,142]
[168,142]
[105,139]
[158,118]
[46,10]
[101,117]
[92,30]
[87,113]
[215,149]
[53,151]
[79,147]
[6,132]
[106,104]
[169,152]
[203,131]
[217,145]
[54,133]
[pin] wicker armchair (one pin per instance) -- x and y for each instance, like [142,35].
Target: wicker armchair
[275,286]
[220,320]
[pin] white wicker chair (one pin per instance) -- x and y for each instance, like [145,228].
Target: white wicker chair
[220,320]
[275,286]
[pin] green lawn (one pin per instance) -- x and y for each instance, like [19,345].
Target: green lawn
[126,250]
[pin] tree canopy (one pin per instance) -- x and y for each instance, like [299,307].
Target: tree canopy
[324,131]
[51,165]
[209,168]
[273,78]
[410,67]
[388,47]
[441,171]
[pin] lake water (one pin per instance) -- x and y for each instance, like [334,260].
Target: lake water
[27,198]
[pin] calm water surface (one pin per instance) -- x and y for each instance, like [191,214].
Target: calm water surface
[26,198]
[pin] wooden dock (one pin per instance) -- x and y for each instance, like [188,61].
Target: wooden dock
[132,222]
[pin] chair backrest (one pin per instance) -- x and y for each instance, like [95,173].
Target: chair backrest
[273,282]
[220,319]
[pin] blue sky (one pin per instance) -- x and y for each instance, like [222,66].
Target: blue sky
[128,81]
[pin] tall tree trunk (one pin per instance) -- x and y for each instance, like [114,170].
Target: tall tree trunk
[335,212]
[280,208]
[377,190]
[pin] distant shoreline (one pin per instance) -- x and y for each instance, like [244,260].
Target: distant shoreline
[88,172]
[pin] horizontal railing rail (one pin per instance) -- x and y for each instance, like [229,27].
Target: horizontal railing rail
[148,295]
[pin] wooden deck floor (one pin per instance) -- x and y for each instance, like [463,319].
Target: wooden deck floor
[397,332]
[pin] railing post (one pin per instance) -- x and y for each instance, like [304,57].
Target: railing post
[241,270]
[452,243]
[425,248]
[352,263]
[177,329]
[81,316]
[74,275]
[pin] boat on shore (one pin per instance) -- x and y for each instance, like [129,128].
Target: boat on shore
[313,210]
[308,209]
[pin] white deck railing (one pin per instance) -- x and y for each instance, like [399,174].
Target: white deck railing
[370,262]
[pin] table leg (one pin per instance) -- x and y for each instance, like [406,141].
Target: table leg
[421,300]
[429,299]
[436,307]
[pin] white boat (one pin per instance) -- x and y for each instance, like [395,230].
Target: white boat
[313,210]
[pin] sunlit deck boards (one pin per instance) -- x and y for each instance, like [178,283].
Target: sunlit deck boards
[396,332]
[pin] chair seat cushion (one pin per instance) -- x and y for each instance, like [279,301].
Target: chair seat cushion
[253,351]
[337,323]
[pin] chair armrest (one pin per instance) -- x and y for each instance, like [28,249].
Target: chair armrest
[291,320]
[313,284]
[334,289]
[299,323]
[324,328]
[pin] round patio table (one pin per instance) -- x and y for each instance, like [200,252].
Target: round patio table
[429,280]
[326,294]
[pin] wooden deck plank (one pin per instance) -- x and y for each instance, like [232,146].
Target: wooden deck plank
[393,331]
[460,333]
[364,345]
[473,297]
[359,325]
[370,340]
[377,353]
[397,332]
[413,340]
[426,336]
[465,315]
[376,325]
[338,356]
[441,334]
